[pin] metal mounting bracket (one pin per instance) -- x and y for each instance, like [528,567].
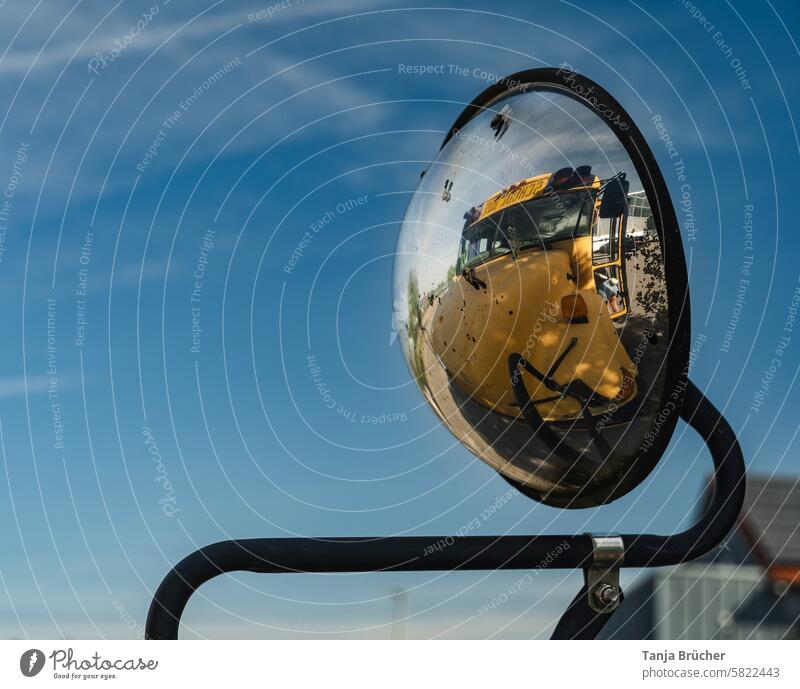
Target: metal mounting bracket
[602,576]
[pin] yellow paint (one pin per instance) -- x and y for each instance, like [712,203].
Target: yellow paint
[519,312]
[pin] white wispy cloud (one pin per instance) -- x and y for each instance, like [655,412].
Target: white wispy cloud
[94,31]
[80,122]
[21,385]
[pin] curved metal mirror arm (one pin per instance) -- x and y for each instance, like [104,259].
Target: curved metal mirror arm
[432,553]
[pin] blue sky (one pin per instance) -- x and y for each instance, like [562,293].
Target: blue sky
[263,163]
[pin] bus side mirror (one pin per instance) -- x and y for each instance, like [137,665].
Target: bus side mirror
[615,198]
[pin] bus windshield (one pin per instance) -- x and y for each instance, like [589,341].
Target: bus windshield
[538,222]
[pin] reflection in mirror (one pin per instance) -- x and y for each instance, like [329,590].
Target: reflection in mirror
[530,276]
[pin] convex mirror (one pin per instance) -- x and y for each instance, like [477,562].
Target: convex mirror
[537,315]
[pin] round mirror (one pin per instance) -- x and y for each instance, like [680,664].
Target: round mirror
[537,316]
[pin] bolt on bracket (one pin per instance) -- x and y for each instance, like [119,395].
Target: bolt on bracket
[602,576]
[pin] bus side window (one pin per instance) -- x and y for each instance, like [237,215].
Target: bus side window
[601,241]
